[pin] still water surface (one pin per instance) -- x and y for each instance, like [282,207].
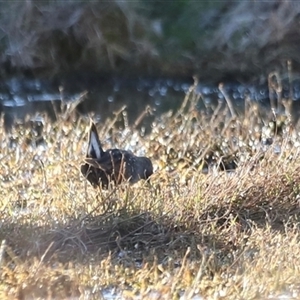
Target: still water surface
[21,97]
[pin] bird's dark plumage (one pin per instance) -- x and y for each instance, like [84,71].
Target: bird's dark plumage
[115,165]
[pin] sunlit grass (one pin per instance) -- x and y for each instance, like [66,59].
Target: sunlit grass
[194,230]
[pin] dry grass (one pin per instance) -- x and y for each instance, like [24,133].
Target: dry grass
[218,235]
[59,36]
[214,39]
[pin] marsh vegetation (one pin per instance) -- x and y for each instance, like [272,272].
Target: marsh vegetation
[213,39]
[220,218]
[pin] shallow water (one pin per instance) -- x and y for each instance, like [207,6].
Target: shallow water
[112,294]
[21,97]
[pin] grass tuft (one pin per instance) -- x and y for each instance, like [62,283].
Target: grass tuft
[219,219]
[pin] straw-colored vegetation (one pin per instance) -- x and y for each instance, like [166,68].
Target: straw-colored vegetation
[220,235]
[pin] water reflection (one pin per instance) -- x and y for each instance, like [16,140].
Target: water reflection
[22,97]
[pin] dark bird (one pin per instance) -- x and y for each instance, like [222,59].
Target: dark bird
[101,167]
